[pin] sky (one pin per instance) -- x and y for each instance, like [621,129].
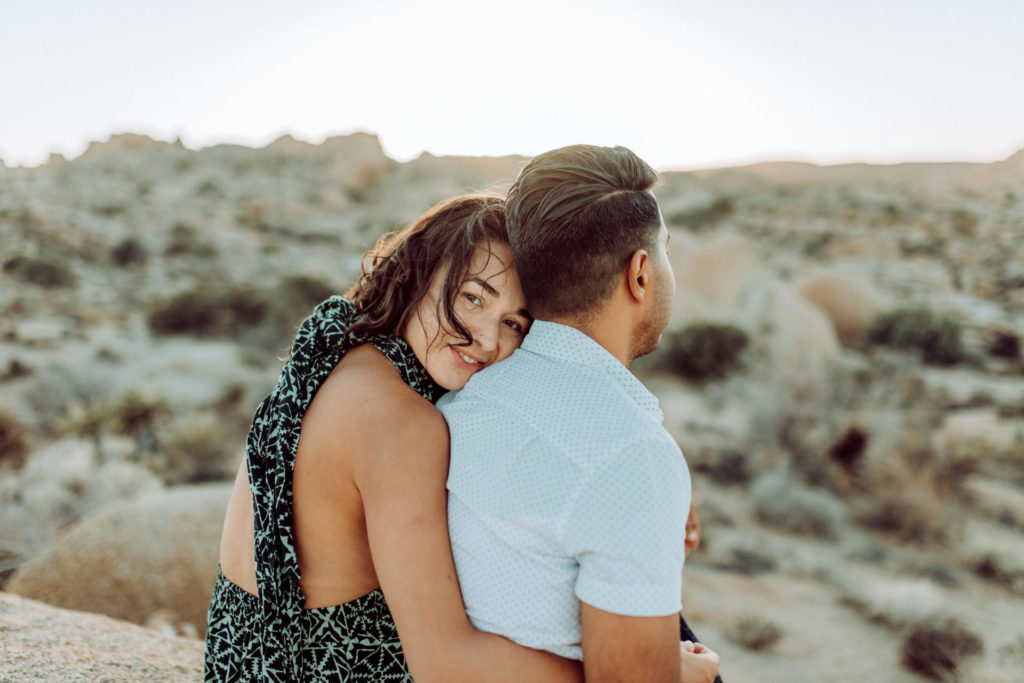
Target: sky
[683,83]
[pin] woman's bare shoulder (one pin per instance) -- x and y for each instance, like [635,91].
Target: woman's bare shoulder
[368,392]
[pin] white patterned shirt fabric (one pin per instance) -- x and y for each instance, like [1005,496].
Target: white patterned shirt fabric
[563,487]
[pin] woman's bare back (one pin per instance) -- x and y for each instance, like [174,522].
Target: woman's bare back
[330,524]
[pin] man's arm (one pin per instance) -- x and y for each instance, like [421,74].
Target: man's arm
[627,532]
[620,648]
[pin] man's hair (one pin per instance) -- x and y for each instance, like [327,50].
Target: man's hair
[575,216]
[398,271]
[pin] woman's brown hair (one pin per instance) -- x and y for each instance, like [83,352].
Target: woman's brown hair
[398,271]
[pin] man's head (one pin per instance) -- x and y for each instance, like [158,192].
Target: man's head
[577,219]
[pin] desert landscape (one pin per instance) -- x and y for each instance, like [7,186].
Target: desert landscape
[843,371]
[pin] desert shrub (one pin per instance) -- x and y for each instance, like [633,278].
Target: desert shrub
[1005,345]
[304,291]
[722,466]
[936,337]
[13,440]
[848,450]
[185,241]
[135,414]
[254,216]
[88,420]
[704,351]
[109,209]
[788,507]
[190,312]
[703,216]
[911,515]
[746,561]
[934,647]
[998,569]
[44,272]
[209,188]
[128,252]
[208,311]
[15,370]
[195,448]
[935,571]
[963,222]
[246,307]
[754,632]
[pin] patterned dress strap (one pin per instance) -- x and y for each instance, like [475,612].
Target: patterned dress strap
[321,342]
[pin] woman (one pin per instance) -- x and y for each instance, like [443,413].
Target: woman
[341,499]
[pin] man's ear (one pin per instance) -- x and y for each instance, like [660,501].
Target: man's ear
[638,274]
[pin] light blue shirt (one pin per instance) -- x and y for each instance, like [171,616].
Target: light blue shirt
[563,487]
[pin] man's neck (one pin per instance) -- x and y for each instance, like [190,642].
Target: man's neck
[606,330]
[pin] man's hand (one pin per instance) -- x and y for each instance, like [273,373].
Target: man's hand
[697,664]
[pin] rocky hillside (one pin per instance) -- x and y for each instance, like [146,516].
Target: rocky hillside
[843,372]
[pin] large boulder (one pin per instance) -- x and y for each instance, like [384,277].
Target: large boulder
[153,556]
[44,643]
[850,303]
[718,269]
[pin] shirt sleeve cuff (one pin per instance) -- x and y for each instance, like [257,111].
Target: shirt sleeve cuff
[649,600]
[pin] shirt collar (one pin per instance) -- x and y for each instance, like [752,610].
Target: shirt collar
[568,344]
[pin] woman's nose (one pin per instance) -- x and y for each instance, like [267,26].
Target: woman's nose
[486,336]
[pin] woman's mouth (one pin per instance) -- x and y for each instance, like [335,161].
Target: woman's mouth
[465,360]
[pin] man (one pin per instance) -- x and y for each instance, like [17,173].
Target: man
[567,498]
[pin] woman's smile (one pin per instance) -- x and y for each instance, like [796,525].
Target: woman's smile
[490,306]
[466,359]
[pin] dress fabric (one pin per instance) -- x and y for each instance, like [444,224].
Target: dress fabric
[273,637]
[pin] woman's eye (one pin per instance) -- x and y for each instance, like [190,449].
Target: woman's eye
[516,325]
[474,299]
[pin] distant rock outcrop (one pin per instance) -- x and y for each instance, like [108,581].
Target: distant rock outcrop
[44,643]
[134,559]
[126,142]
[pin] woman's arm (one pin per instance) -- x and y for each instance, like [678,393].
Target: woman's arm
[402,483]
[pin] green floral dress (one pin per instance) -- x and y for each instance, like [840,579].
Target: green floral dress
[273,637]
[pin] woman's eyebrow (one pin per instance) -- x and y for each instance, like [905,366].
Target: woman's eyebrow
[486,285]
[493,292]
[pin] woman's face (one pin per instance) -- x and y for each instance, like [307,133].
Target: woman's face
[490,305]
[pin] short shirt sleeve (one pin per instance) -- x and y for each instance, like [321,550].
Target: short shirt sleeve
[627,530]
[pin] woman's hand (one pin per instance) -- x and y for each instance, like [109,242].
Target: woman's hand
[697,664]
[692,531]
